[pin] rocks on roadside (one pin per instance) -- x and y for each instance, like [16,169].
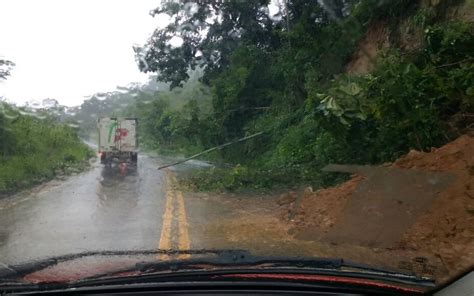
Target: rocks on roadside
[286,198]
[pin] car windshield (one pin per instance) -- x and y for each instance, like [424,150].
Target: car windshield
[135,131]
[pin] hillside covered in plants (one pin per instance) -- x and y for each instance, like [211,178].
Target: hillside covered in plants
[355,82]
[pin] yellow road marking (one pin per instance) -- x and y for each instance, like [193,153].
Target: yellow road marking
[183,235]
[165,238]
[184,243]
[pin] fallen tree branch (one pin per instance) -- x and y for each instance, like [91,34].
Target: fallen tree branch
[455,63]
[211,149]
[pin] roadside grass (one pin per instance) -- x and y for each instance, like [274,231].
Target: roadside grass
[250,179]
[21,172]
[36,150]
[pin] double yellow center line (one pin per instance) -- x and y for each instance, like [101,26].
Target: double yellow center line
[175,211]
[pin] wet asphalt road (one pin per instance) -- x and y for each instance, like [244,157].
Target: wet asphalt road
[100,209]
[103,209]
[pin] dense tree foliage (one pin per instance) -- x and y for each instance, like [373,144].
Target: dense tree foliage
[156,107]
[35,146]
[284,74]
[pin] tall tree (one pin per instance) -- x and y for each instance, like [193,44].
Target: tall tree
[204,33]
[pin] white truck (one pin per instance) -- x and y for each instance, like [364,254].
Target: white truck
[118,140]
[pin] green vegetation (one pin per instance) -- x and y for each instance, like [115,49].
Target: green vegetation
[155,105]
[240,71]
[34,147]
[286,77]
[169,120]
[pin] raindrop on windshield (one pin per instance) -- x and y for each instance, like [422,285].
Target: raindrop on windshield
[176,41]
[11,116]
[34,104]
[191,8]
[50,103]
[38,116]
[198,54]
[185,28]
[71,113]
[122,89]
[101,96]
[24,112]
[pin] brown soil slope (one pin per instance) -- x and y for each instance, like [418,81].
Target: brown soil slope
[433,220]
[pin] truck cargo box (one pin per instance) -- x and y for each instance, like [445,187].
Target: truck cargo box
[117,138]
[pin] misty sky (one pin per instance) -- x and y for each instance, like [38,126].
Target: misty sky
[68,49]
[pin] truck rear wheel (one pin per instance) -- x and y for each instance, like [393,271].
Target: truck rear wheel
[134,157]
[103,158]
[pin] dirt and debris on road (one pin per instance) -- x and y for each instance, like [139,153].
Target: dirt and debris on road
[447,227]
[423,203]
[413,215]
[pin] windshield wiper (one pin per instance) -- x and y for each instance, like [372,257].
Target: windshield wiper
[223,261]
[233,258]
[240,262]
[22,269]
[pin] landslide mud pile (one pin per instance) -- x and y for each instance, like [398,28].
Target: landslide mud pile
[446,229]
[397,211]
